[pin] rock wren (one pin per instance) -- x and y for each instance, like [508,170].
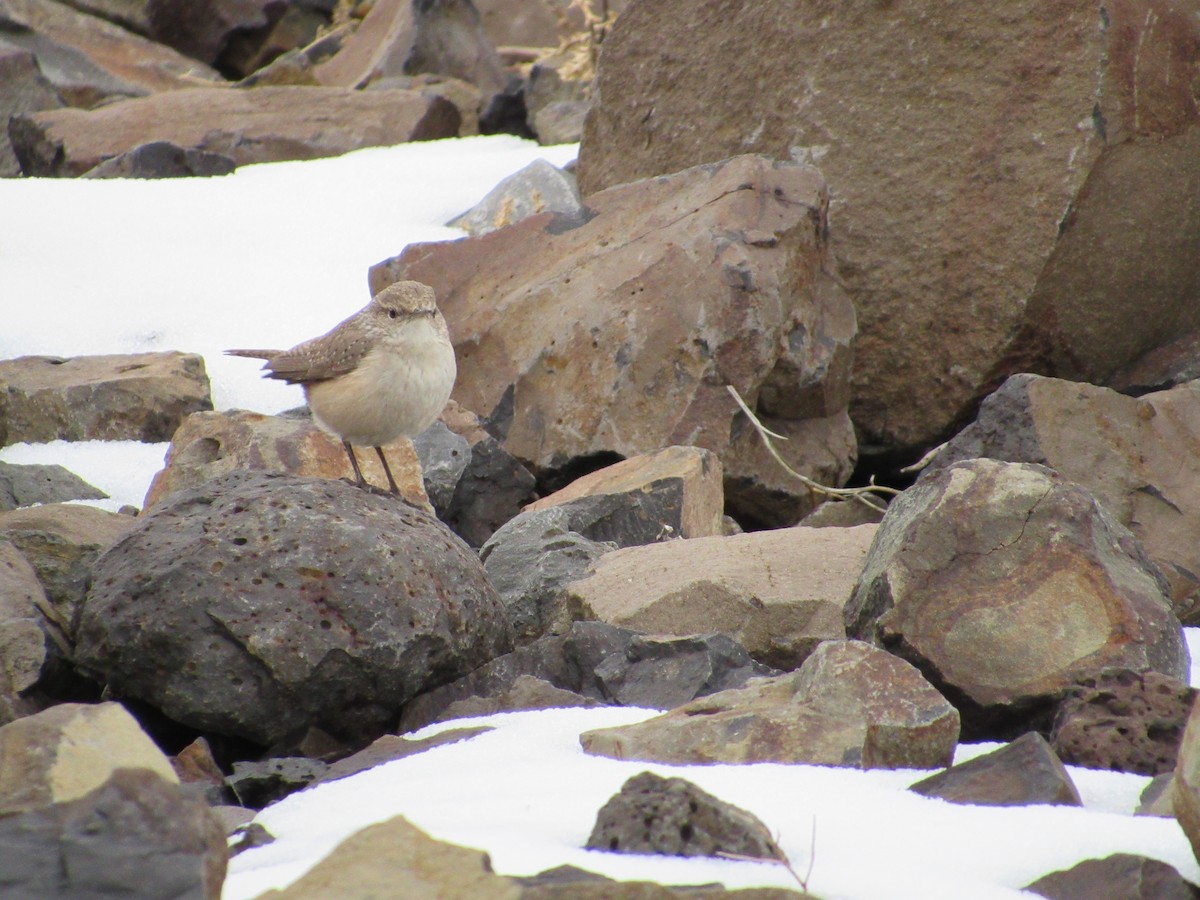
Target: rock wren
[385,372]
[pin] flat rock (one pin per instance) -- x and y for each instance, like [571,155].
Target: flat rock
[1021,773]
[569,349]
[125,397]
[1122,876]
[1005,583]
[137,834]
[1123,720]
[265,124]
[262,605]
[391,747]
[673,817]
[674,493]
[259,783]
[1098,159]
[162,159]
[850,704]
[1139,456]
[537,188]
[70,750]
[29,485]
[590,664]
[210,444]
[778,593]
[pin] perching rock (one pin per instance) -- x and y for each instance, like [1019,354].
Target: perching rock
[537,188]
[259,605]
[1121,876]
[617,332]
[266,124]
[137,834]
[1021,773]
[778,593]
[592,664]
[129,397]
[1123,720]
[1140,457]
[70,750]
[1098,160]
[211,444]
[673,817]
[29,485]
[1005,583]
[850,704]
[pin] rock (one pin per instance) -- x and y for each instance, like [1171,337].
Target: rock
[1122,876]
[62,542]
[850,704]
[259,784]
[478,484]
[195,765]
[568,883]
[558,96]
[1166,366]
[248,837]
[405,37]
[265,124]
[203,29]
[259,605]
[592,663]
[673,817]
[70,750]
[465,96]
[522,24]
[126,397]
[1140,457]
[211,444]
[1021,773]
[1089,172]
[842,514]
[674,493]
[391,747]
[1005,583]
[1123,720]
[1185,794]
[22,640]
[23,89]
[33,484]
[652,336]
[373,861]
[560,122]
[162,159]
[777,593]
[537,188]
[530,561]
[136,835]
[1158,797]
[132,15]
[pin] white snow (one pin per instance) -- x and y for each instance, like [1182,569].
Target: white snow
[277,253]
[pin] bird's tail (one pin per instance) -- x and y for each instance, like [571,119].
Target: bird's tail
[254,354]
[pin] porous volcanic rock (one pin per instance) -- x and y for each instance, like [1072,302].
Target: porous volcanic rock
[618,331]
[260,604]
[941,129]
[850,704]
[1005,583]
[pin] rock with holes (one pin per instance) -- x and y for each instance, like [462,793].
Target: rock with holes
[672,816]
[260,605]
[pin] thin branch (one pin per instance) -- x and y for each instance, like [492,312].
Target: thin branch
[861,494]
[785,862]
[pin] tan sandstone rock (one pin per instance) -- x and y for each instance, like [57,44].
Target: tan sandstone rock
[1011,192]
[211,444]
[1005,583]
[121,397]
[777,593]
[22,641]
[250,126]
[618,332]
[68,751]
[850,704]
[1184,791]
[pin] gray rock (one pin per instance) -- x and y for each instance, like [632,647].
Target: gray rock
[1122,876]
[1021,773]
[162,159]
[673,817]
[23,89]
[260,605]
[258,784]
[537,188]
[27,485]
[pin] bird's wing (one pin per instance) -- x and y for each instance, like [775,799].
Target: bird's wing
[313,361]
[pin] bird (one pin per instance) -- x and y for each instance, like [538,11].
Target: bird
[385,372]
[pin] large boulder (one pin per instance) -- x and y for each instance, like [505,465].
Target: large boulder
[850,704]
[1011,192]
[1005,583]
[22,632]
[259,605]
[1140,457]
[617,332]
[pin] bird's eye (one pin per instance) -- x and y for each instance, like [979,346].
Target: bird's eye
[391,314]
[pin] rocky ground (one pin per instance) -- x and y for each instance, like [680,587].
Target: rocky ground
[883,234]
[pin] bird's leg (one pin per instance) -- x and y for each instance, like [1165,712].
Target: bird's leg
[392,486]
[358,476]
